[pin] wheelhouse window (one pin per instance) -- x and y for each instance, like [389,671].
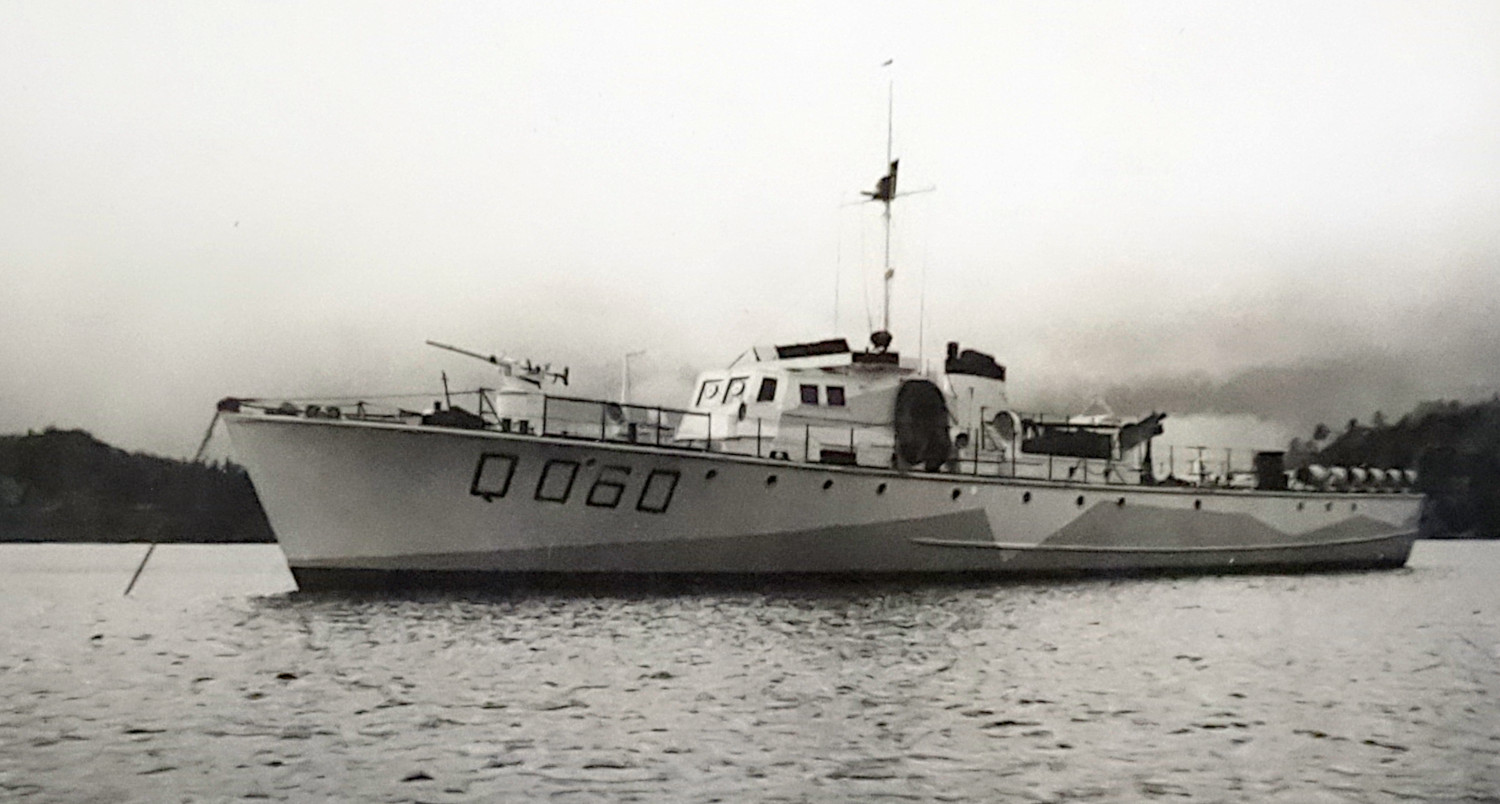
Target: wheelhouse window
[809,394]
[836,396]
[709,392]
[736,389]
[767,390]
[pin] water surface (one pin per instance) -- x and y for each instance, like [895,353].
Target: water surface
[213,682]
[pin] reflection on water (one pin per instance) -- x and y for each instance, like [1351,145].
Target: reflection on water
[1359,687]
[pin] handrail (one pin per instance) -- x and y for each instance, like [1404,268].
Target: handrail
[842,444]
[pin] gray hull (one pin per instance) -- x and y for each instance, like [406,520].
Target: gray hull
[356,502]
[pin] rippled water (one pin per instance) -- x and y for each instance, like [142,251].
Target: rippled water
[213,683]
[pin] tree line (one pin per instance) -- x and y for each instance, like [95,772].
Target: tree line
[67,486]
[1455,448]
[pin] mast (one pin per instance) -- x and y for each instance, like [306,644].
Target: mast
[885,193]
[889,196]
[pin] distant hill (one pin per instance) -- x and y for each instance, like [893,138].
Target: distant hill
[67,486]
[1454,447]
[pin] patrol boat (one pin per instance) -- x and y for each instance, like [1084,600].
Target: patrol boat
[797,458]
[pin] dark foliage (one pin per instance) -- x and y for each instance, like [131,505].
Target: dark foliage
[66,485]
[1454,447]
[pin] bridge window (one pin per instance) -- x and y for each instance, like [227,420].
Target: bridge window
[709,392]
[836,396]
[735,390]
[767,390]
[809,394]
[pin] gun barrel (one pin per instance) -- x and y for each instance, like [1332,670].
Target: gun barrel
[475,355]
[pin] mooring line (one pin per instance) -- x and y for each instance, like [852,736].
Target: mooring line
[139,569]
[197,458]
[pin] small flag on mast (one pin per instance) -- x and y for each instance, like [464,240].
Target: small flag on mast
[885,189]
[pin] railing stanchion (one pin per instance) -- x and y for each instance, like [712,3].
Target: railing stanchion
[1049,466]
[807,443]
[708,444]
[603,425]
[758,421]
[545,398]
[658,425]
[1013,450]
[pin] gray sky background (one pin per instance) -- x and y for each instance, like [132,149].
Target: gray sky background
[1287,209]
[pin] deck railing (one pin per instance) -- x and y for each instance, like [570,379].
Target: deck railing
[597,420]
[980,452]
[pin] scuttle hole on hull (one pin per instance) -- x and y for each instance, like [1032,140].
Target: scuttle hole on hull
[770,480]
[956,492]
[1197,505]
[1026,497]
[1120,502]
[827,484]
[711,474]
[1079,501]
[880,489]
[1301,506]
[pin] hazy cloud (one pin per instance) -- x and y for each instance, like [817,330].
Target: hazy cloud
[1201,203]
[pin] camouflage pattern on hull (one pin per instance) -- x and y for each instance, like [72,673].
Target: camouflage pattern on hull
[347,498]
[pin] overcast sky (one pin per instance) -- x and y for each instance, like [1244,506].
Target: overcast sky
[206,199]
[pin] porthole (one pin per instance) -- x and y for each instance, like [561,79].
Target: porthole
[711,474]
[1120,502]
[1079,501]
[1026,497]
[956,492]
[827,484]
[770,480]
[1327,506]
[1301,506]
[1197,505]
[880,489]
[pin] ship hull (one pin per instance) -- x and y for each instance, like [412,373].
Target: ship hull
[360,503]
